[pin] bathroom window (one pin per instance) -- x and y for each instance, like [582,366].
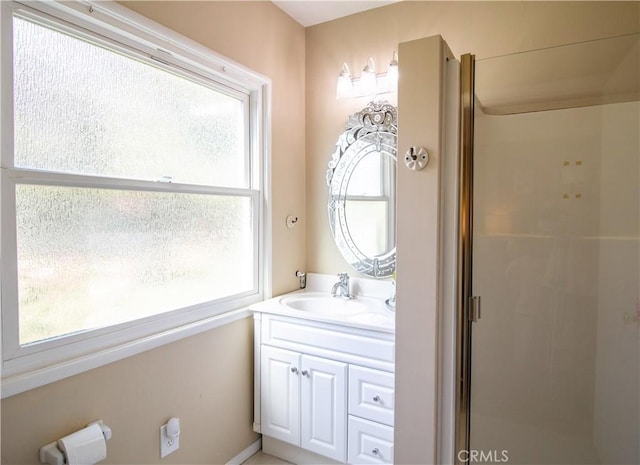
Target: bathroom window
[132,190]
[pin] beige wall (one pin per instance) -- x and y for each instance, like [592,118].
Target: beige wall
[206,380]
[484,28]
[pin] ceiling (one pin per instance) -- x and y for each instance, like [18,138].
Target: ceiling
[310,12]
[595,72]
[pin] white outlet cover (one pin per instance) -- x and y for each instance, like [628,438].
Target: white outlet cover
[166,445]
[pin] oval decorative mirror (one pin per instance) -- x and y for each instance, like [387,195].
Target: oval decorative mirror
[362,189]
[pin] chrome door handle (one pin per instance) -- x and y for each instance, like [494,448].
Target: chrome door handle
[474,308]
[294,370]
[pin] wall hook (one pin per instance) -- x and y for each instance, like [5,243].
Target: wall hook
[416,158]
[291,221]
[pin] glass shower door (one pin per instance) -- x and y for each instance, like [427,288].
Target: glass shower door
[555,356]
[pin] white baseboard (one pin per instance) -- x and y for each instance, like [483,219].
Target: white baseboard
[245,454]
[294,454]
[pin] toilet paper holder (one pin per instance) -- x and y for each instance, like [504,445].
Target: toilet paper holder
[52,455]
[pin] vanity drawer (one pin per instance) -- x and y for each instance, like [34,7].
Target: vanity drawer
[349,345]
[369,442]
[371,394]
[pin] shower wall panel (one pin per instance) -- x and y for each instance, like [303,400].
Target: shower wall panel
[555,355]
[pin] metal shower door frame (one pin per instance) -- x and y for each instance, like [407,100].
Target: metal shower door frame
[464,317]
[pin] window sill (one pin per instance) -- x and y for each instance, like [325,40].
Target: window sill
[22,382]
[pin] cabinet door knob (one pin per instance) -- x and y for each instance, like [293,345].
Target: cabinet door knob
[305,373]
[376,398]
[294,370]
[375,451]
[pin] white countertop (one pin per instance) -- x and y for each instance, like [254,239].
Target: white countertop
[370,313]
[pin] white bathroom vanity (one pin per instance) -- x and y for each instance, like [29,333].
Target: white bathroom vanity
[324,377]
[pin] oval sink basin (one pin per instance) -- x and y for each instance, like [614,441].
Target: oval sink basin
[323,304]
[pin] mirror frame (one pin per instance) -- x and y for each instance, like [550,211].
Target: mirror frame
[372,130]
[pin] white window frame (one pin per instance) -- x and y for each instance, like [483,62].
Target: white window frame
[111,24]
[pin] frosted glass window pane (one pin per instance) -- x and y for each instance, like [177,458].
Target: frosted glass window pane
[83,109]
[88,258]
[368,222]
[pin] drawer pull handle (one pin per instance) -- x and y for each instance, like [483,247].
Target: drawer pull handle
[375,451]
[294,370]
[376,398]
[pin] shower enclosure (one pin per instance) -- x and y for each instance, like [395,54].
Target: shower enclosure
[549,256]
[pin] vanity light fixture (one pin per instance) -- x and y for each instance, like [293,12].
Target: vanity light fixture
[369,84]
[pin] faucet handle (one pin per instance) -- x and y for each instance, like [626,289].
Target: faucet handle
[344,278]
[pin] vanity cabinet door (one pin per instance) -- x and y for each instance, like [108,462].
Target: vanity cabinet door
[324,407]
[280,387]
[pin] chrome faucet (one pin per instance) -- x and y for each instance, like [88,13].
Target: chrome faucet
[341,288]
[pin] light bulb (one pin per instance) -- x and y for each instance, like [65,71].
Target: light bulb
[392,73]
[344,88]
[368,79]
